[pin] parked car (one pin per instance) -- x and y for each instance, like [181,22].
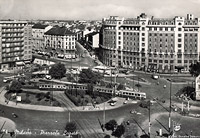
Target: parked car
[154,76]
[14,115]
[125,102]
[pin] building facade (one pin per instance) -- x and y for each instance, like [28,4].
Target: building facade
[15,40]
[162,45]
[60,42]
[92,40]
[38,31]
[28,43]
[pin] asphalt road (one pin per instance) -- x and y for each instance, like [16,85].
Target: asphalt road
[87,122]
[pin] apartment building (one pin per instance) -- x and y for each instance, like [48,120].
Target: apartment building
[14,41]
[60,42]
[38,31]
[156,44]
[28,43]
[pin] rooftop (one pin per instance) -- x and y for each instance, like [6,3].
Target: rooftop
[60,31]
[93,33]
[39,26]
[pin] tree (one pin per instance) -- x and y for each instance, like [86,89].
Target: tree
[57,71]
[88,76]
[70,127]
[187,91]
[111,125]
[107,136]
[15,86]
[195,69]
[119,131]
[121,87]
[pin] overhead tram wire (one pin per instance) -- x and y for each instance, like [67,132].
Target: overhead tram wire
[86,123]
[77,122]
[70,109]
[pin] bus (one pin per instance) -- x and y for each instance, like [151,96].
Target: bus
[102,69]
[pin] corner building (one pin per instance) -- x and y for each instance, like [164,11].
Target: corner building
[163,45]
[60,42]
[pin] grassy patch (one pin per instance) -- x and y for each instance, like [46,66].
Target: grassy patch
[33,98]
[82,98]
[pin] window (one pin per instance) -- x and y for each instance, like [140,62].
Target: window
[179,35]
[143,39]
[179,45]
[119,33]
[179,29]
[179,61]
[179,40]
[143,34]
[143,28]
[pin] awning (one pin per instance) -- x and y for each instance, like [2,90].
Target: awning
[179,67]
[20,63]
[27,62]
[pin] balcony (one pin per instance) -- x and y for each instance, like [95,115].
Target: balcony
[10,56]
[12,46]
[12,36]
[13,41]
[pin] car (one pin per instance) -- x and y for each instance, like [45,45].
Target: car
[48,77]
[154,76]
[14,115]
[133,112]
[113,103]
[125,102]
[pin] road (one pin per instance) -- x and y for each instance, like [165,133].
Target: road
[87,122]
[85,61]
[51,121]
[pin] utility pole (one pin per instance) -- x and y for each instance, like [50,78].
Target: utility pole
[138,83]
[69,116]
[170,99]
[104,115]
[149,119]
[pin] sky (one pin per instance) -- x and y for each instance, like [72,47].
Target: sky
[95,9]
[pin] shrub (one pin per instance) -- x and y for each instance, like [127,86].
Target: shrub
[107,136]
[56,103]
[119,131]
[70,127]
[47,95]
[98,100]
[27,101]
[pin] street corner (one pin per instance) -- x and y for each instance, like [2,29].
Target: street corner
[7,124]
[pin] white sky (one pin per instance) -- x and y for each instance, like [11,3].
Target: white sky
[95,9]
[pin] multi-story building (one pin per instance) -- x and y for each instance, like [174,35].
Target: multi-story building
[155,44]
[38,31]
[28,43]
[15,40]
[92,40]
[60,42]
